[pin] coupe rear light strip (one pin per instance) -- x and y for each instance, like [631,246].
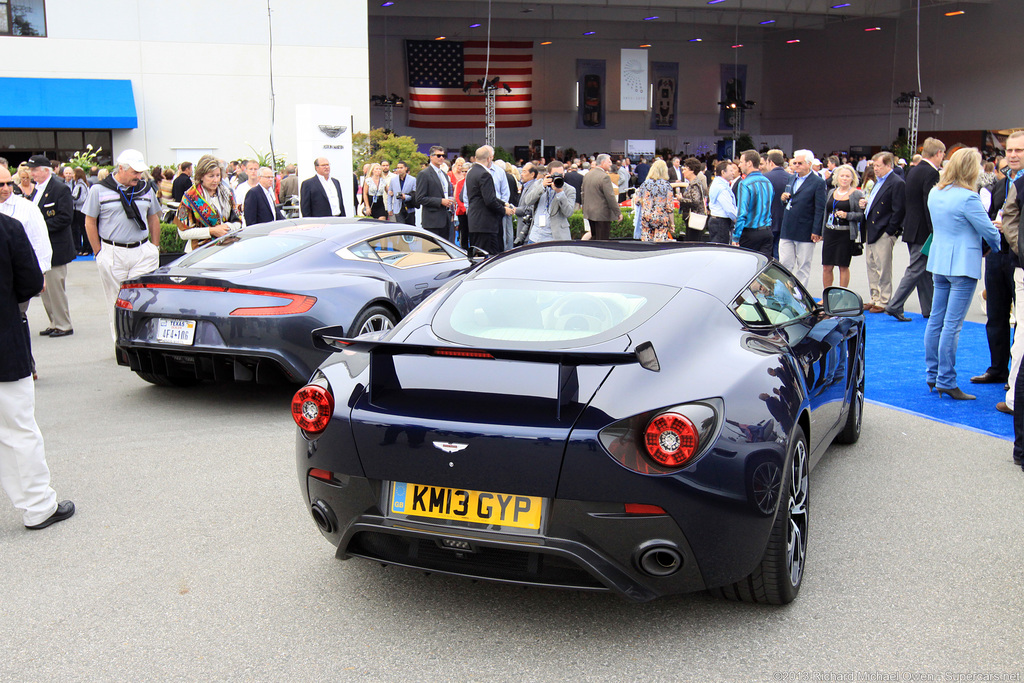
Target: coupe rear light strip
[297,303]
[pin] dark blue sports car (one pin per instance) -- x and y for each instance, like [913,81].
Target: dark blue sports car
[632,417]
[242,308]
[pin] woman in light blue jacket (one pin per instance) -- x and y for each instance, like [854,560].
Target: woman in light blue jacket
[959,224]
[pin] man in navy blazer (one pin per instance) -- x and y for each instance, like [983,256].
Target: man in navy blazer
[803,217]
[884,211]
[917,228]
[26,477]
[260,206]
[773,168]
[316,197]
[435,196]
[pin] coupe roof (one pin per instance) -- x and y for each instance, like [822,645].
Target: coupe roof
[334,229]
[718,270]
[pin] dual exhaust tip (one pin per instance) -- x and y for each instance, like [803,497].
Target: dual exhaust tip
[654,558]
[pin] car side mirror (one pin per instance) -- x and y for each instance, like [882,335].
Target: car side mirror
[477,254]
[842,302]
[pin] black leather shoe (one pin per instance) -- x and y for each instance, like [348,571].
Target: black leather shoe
[988,378]
[65,509]
[899,316]
[61,333]
[955,393]
[47,332]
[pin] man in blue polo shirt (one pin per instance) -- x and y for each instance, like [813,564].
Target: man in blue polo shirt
[753,206]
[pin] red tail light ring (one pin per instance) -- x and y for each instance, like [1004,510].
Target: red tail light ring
[671,439]
[312,408]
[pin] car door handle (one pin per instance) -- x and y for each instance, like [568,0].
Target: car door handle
[422,285]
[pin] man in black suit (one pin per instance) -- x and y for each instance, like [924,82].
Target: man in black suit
[883,220]
[917,226]
[321,196]
[803,218]
[54,199]
[486,210]
[26,478]
[575,178]
[774,170]
[435,196]
[183,182]
[999,272]
[260,206]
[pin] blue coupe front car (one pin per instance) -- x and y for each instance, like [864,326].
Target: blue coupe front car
[632,417]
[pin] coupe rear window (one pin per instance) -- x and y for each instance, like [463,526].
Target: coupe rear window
[544,315]
[239,251]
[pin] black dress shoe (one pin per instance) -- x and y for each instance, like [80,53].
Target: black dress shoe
[988,378]
[61,333]
[899,316]
[47,332]
[65,509]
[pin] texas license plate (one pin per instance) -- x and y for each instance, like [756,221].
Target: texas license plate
[174,331]
[462,505]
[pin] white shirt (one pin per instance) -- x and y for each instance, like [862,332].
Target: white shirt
[269,192]
[241,191]
[31,219]
[332,194]
[40,188]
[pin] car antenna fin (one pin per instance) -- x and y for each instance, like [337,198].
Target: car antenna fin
[647,358]
[568,387]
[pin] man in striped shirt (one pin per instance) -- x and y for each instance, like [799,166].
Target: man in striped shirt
[753,206]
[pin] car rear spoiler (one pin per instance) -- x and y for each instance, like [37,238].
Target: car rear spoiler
[382,367]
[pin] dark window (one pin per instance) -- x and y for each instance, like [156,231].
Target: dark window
[22,18]
[20,144]
[240,251]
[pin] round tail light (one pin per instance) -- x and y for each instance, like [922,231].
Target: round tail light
[312,408]
[671,439]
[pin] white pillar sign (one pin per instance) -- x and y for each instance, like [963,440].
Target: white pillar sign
[325,130]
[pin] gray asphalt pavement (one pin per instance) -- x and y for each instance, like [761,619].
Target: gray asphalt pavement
[191,557]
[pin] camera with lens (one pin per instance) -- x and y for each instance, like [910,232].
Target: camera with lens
[558,180]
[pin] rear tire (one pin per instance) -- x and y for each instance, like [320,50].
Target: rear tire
[373,319]
[777,579]
[165,381]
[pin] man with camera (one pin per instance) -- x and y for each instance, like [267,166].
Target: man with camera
[551,201]
[401,199]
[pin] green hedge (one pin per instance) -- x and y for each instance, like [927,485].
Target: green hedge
[620,229]
[170,243]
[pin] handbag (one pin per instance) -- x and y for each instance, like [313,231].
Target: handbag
[696,221]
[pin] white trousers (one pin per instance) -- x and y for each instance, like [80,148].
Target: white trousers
[1017,350]
[796,258]
[23,471]
[117,264]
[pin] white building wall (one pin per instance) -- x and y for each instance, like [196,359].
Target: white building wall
[200,70]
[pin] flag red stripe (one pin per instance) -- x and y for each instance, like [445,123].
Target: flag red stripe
[472,111]
[468,98]
[500,44]
[501,58]
[478,124]
[514,71]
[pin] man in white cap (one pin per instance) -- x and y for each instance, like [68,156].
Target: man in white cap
[123,224]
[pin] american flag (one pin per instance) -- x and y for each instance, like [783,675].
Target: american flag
[438,70]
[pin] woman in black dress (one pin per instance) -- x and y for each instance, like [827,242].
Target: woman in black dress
[842,225]
[375,191]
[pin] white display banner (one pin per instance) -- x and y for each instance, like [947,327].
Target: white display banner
[636,148]
[325,130]
[633,90]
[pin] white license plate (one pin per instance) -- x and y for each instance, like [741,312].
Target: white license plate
[173,331]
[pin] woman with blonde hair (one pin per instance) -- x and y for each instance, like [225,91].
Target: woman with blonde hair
[207,209]
[374,192]
[25,185]
[843,216]
[653,201]
[959,224]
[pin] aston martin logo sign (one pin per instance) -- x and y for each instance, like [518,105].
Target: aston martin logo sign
[449,447]
[332,131]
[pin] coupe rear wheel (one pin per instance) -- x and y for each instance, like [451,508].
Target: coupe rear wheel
[777,579]
[373,319]
[165,381]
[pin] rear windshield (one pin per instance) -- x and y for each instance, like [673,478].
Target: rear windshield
[239,251]
[546,315]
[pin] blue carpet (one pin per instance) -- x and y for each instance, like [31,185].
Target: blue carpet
[895,376]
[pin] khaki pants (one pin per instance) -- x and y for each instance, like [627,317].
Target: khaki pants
[878,257]
[55,297]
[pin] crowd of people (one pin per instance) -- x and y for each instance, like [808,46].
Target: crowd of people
[953,211]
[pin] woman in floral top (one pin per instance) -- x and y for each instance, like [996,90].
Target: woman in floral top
[654,202]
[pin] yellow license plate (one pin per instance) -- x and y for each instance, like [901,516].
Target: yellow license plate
[462,505]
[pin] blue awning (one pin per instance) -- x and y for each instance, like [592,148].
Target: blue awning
[85,103]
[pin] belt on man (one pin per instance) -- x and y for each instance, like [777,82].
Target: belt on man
[126,245]
[763,227]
